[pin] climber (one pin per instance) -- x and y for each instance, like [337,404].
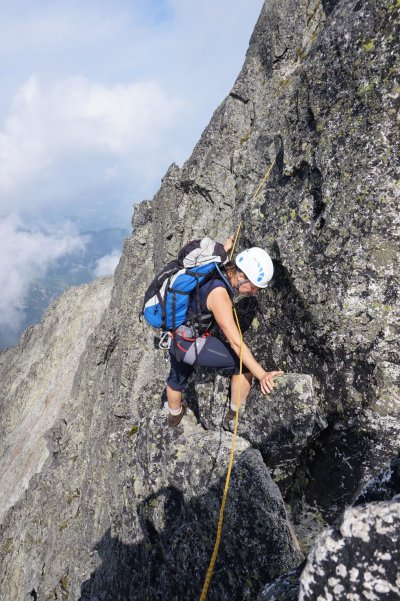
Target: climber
[251,272]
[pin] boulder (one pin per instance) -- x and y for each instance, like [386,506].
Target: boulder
[359,559]
[280,425]
[179,478]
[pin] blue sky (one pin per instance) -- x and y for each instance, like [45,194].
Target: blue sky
[98,99]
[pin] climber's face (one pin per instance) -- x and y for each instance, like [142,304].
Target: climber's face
[245,287]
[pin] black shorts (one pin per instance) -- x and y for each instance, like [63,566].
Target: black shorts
[212,352]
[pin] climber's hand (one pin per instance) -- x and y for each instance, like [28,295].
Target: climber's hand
[228,244]
[267,382]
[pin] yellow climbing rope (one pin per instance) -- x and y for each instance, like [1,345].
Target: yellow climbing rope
[235,240]
[228,476]
[214,556]
[265,178]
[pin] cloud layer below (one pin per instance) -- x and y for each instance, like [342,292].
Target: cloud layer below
[27,256]
[107,264]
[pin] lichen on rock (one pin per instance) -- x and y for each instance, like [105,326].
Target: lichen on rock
[359,560]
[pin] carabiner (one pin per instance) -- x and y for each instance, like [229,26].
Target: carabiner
[165,341]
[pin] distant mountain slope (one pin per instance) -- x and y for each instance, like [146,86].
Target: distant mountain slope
[70,270]
[53,347]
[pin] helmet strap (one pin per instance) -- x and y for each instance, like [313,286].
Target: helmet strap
[240,283]
[243,282]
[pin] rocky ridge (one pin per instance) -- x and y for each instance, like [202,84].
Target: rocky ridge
[124,508]
[40,373]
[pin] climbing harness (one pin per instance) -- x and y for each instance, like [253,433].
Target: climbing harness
[197,343]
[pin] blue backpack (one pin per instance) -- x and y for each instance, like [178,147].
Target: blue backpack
[166,300]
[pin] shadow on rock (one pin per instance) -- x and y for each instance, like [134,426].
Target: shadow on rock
[175,539]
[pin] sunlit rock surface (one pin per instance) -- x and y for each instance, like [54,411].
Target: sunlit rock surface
[358,560]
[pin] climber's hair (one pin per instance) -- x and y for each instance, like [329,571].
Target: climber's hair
[231,269]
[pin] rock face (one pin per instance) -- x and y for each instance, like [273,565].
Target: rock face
[358,557]
[178,483]
[122,503]
[285,588]
[384,487]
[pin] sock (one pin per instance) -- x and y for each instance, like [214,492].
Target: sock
[176,411]
[233,406]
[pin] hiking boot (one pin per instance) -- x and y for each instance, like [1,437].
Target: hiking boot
[230,415]
[174,420]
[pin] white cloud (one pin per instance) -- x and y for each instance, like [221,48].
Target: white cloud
[25,256]
[72,121]
[107,264]
[111,87]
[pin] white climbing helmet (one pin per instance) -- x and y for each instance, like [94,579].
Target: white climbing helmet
[257,265]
